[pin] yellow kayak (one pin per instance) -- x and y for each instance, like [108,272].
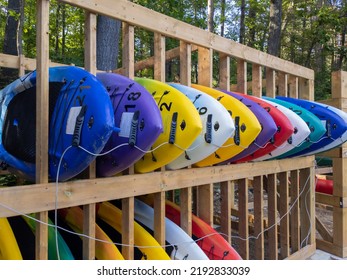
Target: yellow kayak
[149,247]
[181,125]
[9,249]
[103,250]
[247,127]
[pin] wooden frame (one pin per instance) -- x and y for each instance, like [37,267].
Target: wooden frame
[89,191]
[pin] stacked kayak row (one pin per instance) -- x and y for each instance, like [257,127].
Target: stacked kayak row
[150,124]
[17,236]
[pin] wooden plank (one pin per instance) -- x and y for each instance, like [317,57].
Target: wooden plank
[257,78]
[282,84]
[304,253]
[339,84]
[205,203]
[270,82]
[331,248]
[205,66]
[272,216]
[330,200]
[283,190]
[323,231]
[295,211]
[21,68]
[159,57]
[89,230]
[185,54]
[243,219]
[293,84]
[186,210]
[340,177]
[128,228]
[340,227]
[42,118]
[307,206]
[78,192]
[226,206]
[156,22]
[224,71]
[128,50]
[241,76]
[306,89]
[258,192]
[159,217]
[89,210]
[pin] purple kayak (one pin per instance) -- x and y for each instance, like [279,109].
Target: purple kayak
[137,115]
[267,123]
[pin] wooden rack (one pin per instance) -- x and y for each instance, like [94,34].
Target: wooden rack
[285,231]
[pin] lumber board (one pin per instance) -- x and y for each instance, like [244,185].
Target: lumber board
[331,248]
[23,199]
[205,66]
[128,205]
[205,203]
[283,190]
[258,190]
[270,82]
[295,211]
[306,88]
[185,54]
[88,249]
[340,226]
[323,231]
[186,210]
[159,217]
[330,200]
[243,219]
[159,57]
[282,84]
[42,118]
[257,80]
[293,84]
[224,71]
[304,253]
[339,84]
[241,76]
[272,216]
[128,52]
[226,194]
[153,21]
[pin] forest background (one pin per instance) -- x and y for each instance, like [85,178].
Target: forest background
[311,33]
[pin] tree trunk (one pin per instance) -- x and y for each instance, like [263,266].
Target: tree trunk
[210,8]
[222,27]
[108,35]
[242,22]
[12,39]
[274,41]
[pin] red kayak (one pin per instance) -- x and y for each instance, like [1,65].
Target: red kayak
[214,245]
[284,129]
[324,186]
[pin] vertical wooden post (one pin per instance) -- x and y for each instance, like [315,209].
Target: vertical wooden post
[159,57]
[185,63]
[284,214]
[159,198]
[42,118]
[226,205]
[270,82]
[258,190]
[128,203]
[21,68]
[186,210]
[294,213]
[205,67]
[205,203]
[307,206]
[272,216]
[89,210]
[306,89]
[282,84]
[241,76]
[224,71]
[293,86]
[243,218]
[257,79]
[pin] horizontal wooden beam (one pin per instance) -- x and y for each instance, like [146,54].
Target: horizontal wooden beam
[331,248]
[150,20]
[304,253]
[78,192]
